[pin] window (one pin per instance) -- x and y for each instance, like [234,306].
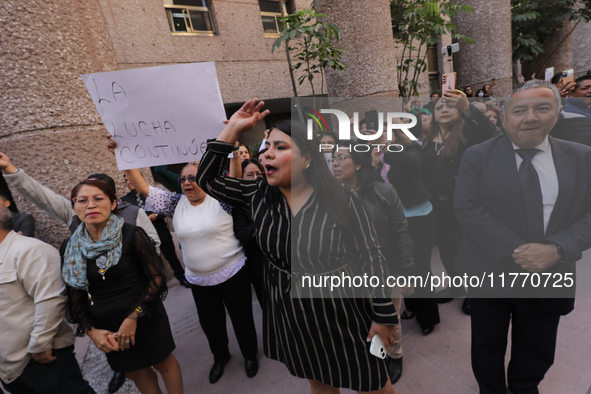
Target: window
[190,16]
[270,11]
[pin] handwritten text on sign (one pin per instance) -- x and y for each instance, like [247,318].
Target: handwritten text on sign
[159,115]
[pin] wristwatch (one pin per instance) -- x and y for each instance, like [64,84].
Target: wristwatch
[560,252]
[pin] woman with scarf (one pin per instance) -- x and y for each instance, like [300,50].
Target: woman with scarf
[116,284]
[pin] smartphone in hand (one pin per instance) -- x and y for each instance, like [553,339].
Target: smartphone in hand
[448,82]
[377,347]
[568,76]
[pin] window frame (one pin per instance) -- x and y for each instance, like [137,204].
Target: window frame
[283,5]
[275,15]
[186,17]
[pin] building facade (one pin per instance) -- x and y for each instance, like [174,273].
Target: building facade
[50,127]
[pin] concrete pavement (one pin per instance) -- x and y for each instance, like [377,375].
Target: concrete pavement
[437,363]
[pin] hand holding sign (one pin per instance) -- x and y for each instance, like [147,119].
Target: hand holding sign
[159,115]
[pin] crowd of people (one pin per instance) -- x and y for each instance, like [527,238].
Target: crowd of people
[484,180]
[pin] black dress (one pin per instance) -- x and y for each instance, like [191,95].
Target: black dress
[323,339]
[137,280]
[440,177]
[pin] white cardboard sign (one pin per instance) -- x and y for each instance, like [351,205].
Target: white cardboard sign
[159,115]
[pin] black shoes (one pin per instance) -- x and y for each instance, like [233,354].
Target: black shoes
[406,315]
[251,366]
[394,369]
[466,307]
[217,370]
[428,330]
[116,382]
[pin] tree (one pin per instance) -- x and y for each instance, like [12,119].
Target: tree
[417,25]
[535,22]
[311,43]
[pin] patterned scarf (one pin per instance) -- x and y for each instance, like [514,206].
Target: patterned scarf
[107,252]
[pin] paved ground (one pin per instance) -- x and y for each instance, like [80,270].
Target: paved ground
[438,363]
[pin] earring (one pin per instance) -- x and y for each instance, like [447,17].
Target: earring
[358,168]
[307,165]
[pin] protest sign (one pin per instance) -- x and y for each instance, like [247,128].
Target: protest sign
[159,115]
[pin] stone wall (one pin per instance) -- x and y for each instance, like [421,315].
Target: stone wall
[366,33]
[49,125]
[581,43]
[490,58]
[246,66]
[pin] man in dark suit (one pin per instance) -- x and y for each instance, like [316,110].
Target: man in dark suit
[524,201]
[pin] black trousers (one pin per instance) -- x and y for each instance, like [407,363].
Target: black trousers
[61,376]
[212,301]
[533,343]
[423,302]
[449,233]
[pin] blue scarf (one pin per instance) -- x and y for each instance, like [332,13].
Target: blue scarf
[107,252]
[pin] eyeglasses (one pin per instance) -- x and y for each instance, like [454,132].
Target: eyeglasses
[99,199]
[255,175]
[190,178]
[339,158]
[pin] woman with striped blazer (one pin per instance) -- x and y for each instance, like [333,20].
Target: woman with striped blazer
[309,226]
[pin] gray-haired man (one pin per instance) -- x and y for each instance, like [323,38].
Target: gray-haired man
[524,200]
[37,346]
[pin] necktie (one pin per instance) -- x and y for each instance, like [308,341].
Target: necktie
[532,195]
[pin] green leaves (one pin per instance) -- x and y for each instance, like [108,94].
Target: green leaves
[417,25]
[535,22]
[311,42]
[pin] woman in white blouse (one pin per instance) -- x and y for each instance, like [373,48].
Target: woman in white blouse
[214,263]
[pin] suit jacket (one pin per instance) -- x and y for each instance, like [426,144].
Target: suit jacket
[489,207]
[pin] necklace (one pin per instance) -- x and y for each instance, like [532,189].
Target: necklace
[101,264]
[440,148]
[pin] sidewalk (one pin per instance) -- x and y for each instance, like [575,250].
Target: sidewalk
[437,363]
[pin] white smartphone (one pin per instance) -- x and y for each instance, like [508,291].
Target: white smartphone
[548,73]
[377,347]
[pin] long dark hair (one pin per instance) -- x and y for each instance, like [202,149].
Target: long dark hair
[367,176]
[417,131]
[454,138]
[328,189]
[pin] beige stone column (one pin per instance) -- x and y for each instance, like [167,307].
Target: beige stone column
[558,53]
[48,123]
[581,38]
[582,48]
[366,33]
[477,64]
